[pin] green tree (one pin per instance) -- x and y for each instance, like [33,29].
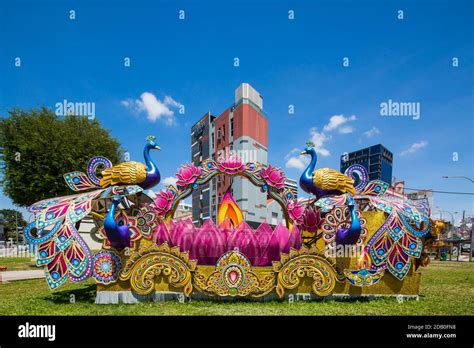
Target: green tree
[10,218]
[39,147]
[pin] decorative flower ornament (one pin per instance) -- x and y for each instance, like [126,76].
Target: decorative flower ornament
[187,174]
[311,219]
[231,165]
[163,201]
[146,220]
[106,266]
[273,176]
[296,211]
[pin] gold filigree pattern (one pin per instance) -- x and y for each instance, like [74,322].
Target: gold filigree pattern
[234,276]
[310,263]
[363,277]
[147,263]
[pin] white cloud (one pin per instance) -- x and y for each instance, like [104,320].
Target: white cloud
[297,162]
[170,101]
[319,138]
[126,103]
[170,180]
[336,121]
[372,132]
[154,108]
[414,148]
[346,130]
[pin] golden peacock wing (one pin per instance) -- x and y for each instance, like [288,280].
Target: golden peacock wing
[124,173]
[330,179]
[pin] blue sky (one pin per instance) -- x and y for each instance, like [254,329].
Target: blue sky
[290,62]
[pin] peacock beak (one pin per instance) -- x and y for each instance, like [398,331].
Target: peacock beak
[303,153]
[157,147]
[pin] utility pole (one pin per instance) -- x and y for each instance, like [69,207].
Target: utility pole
[16,230]
[471,249]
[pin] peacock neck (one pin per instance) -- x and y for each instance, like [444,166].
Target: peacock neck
[355,222]
[312,164]
[109,221]
[150,165]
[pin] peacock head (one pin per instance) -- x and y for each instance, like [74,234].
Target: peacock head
[308,149]
[150,142]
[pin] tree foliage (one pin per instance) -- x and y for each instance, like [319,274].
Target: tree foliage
[39,147]
[10,218]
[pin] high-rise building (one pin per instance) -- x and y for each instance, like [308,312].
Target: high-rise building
[376,159]
[183,211]
[242,130]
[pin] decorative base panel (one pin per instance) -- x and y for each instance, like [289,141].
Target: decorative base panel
[163,273]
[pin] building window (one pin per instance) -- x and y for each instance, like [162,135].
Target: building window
[223,133]
[232,127]
[212,140]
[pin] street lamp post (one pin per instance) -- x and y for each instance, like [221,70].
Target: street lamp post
[450,227]
[446,211]
[457,177]
[16,230]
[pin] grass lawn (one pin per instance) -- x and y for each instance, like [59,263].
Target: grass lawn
[17,263]
[447,288]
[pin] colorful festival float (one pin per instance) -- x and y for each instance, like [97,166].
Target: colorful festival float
[351,238]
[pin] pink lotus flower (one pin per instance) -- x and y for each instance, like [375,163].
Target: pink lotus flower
[296,211]
[162,235]
[273,176]
[187,174]
[231,165]
[279,243]
[295,238]
[163,202]
[209,244]
[263,234]
[182,234]
[311,219]
[243,238]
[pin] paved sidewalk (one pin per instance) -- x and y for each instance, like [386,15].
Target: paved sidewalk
[9,276]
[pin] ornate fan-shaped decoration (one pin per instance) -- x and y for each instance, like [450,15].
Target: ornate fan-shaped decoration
[394,243]
[106,266]
[337,219]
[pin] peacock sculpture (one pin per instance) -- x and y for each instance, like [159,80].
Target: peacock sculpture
[350,235]
[60,248]
[324,181]
[145,175]
[329,182]
[126,173]
[117,231]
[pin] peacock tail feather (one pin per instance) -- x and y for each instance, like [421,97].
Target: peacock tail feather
[395,242]
[374,188]
[79,181]
[330,179]
[60,248]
